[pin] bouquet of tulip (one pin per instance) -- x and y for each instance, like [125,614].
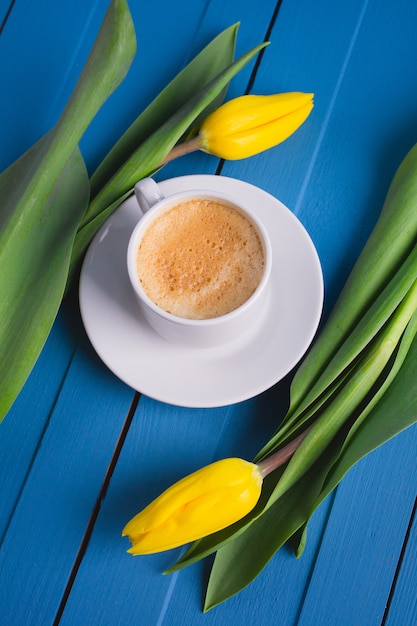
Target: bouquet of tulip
[354,390]
[51,208]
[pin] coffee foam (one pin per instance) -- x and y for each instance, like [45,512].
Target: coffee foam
[200,259]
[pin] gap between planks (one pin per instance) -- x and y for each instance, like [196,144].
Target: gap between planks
[399,564]
[96,509]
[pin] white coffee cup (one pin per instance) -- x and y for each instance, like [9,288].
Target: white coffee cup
[211,331]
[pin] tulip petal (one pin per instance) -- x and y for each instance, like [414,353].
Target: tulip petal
[202,503]
[202,516]
[247,144]
[251,124]
[248,112]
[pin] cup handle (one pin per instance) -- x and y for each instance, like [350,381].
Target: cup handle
[147,193]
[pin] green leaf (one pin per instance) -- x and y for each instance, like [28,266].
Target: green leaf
[32,285]
[44,195]
[387,247]
[147,158]
[393,410]
[212,60]
[342,364]
[149,155]
[368,371]
[84,237]
[362,306]
[106,67]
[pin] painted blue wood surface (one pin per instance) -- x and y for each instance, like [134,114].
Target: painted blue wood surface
[69,479]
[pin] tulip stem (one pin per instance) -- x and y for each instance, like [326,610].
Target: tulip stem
[181,149]
[281,456]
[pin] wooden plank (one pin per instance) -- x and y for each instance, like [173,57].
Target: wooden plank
[61,490]
[42,49]
[26,422]
[363,538]
[163,443]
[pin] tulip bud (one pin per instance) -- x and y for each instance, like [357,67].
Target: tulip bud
[200,504]
[251,124]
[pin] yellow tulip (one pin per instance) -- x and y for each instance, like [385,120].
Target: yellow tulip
[251,124]
[204,502]
[200,504]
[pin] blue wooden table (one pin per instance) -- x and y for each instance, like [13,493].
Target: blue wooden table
[81,452]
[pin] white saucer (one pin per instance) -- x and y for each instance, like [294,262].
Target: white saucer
[203,377]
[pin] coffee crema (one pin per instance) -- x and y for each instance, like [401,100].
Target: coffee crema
[200,259]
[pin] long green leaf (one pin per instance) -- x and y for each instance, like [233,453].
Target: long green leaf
[347,401]
[212,60]
[393,411]
[44,195]
[390,411]
[31,285]
[147,158]
[149,155]
[385,250]
[340,365]
[355,311]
